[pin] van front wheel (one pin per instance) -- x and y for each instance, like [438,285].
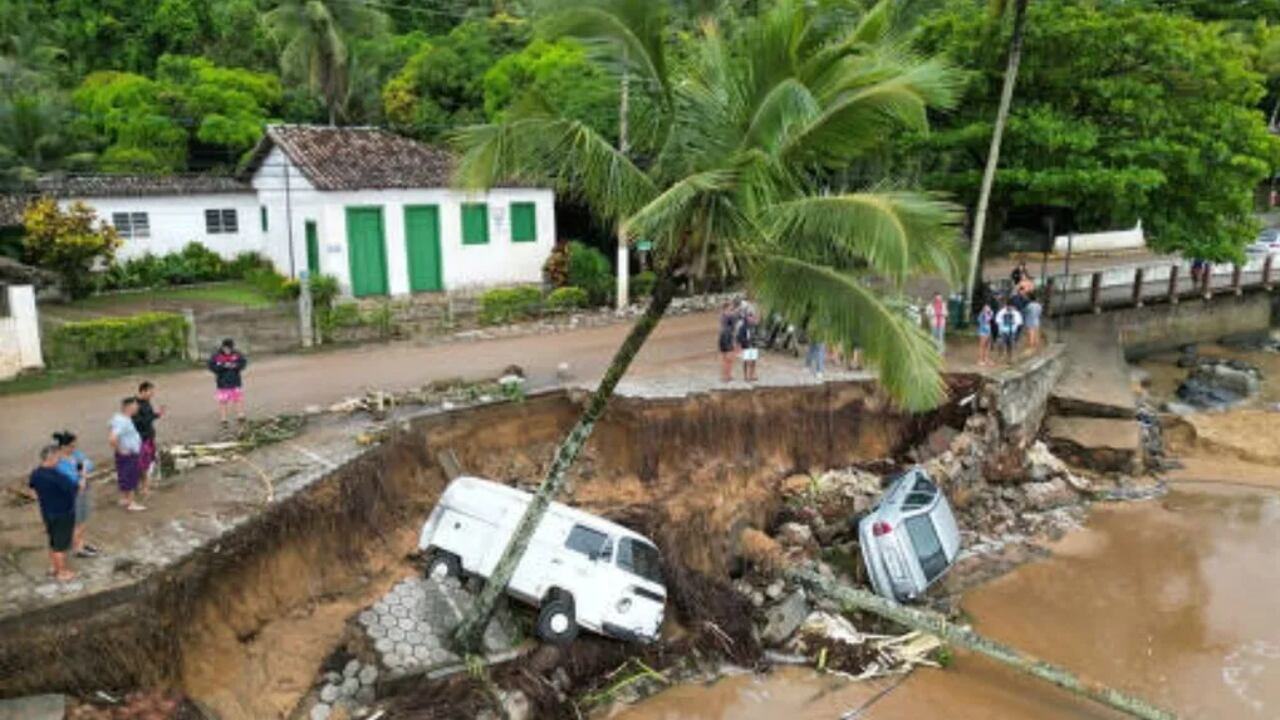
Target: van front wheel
[556,621]
[443,565]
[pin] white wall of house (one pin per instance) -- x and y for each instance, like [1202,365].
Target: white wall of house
[287,195]
[19,332]
[175,220]
[464,267]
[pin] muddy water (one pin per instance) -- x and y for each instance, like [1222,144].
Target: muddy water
[1174,600]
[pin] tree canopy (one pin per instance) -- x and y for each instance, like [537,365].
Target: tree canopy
[1121,113]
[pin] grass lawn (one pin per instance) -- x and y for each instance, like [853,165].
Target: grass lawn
[50,379]
[210,296]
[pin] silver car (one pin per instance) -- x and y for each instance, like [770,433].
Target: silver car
[910,538]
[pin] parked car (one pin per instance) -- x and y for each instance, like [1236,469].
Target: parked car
[1268,242]
[910,538]
[580,570]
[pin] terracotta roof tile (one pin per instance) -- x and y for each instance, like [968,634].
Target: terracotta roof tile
[356,158]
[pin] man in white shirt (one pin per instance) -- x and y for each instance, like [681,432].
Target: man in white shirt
[126,443]
[1008,320]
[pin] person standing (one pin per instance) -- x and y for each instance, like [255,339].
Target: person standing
[815,358]
[747,331]
[226,364]
[1031,318]
[56,494]
[728,329]
[126,443]
[77,467]
[936,313]
[1008,323]
[986,318]
[145,422]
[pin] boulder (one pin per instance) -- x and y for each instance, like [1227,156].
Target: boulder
[1049,494]
[784,618]
[1220,383]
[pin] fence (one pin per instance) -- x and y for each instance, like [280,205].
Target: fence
[1135,286]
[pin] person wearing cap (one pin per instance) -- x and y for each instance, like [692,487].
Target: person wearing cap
[226,364]
[77,467]
[57,496]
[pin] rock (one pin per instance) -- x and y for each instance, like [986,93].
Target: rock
[775,590]
[366,695]
[352,667]
[833,627]
[333,677]
[330,693]
[1043,464]
[349,687]
[757,599]
[516,705]
[782,619]
[793,534]
[1051,494]
[368,675]
[1220,383]
[321,711]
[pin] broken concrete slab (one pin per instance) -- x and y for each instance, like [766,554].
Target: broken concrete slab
[783,619]
[34,707]
[1102,444]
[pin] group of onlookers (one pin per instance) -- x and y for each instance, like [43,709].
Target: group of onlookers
[1004,319]
[62,480]
[739,339]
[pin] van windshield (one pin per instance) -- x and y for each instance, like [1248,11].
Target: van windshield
[640,559]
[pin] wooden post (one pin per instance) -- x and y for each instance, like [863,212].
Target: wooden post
[1173,284]
[1048,295]
[851,598]
[1206,281]
[1095,292]
[1137,287]
[1266,272]
[1236,275]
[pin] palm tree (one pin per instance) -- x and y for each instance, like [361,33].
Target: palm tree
[752,131]
[314,36]
[998,9]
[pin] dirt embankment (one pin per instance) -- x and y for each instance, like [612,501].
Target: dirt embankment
[243,625]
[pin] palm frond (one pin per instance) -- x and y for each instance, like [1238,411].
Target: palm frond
[665,214]
[787,106]
[896,234]
[570,156]
[622,34]
[841,310]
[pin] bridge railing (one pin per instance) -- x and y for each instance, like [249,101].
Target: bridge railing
[1138,285]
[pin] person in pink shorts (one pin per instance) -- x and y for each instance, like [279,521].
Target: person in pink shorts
[226,364]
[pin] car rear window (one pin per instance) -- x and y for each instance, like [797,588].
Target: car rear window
[586,541]
[640,559]
[921,494]
[933,560]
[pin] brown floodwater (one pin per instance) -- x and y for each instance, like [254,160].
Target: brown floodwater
[1175,600]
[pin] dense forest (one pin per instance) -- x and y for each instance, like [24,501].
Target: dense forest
[1152,109]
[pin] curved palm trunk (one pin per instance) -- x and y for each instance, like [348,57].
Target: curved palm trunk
[467,637]
[993,155]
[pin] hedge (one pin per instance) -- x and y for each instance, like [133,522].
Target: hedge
[503,305]
[567,298]
[143,339]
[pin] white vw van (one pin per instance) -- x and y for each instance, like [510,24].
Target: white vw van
[580,569]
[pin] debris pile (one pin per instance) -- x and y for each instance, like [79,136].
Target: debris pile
[1216,384]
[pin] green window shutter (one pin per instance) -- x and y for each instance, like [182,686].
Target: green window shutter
[524,222]
[475,224]
[262,213]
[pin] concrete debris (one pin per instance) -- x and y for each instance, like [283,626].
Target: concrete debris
[793,534]
[784,618]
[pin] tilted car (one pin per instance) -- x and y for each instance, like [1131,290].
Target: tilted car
[910,538]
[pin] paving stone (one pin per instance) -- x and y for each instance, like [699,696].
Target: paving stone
[368,618]
[333,677]
[404,649]
[368,675]
[366,695]
[422,653]
[350,686]
[329,693]
[396,634]
[384,645]
[321,712]
[377,632]
[352,668]
[407,624]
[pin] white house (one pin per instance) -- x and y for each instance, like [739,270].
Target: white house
[365,205]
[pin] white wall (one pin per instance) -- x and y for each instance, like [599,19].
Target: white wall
[176,220]
[290,199]
[1102,241]
[465,267]
[20,333]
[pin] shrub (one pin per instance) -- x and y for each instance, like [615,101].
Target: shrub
[642,284]
[382,319]
[324,290]
[243,262]
[330,319]
[68,242]
[555,271]
[589,269]
[194,263]
[273,284]
[202,264]
[142,339]
[567,298]
[502,305]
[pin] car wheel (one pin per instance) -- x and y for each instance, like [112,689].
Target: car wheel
[443,565]
[556,621]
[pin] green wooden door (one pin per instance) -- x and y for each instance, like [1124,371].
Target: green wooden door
[366,251]
[422,245]
[313,249]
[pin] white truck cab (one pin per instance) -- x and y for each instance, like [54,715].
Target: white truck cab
[580,569]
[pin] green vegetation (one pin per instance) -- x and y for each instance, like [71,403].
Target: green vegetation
[568,298]
[642,284]
[222,293]
[589,269]
[503,305]
[143,339]
[195,263]
[68,242]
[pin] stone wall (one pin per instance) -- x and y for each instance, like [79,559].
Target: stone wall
[1016,401]
[1156,328]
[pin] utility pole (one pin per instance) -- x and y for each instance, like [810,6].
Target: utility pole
[624,255]
[993,155]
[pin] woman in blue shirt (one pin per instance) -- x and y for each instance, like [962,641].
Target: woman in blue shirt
[77,467]
[57,495]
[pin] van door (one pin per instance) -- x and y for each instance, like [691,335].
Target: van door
[581,567]
[635,597]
